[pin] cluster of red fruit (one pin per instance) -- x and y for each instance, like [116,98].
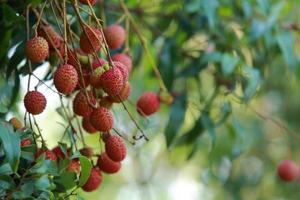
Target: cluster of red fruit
[97,84]
[288,171]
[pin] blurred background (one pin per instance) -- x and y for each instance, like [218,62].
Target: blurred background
[233,67]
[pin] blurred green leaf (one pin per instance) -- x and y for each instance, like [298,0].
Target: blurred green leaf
[86,167]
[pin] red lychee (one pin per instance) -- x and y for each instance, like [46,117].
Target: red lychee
[84,80]
[87,126]
[74,166]
[148,103]
[37,49]
[288,171]
[95,78]
[35,102]
[102,119]
[123,69]
[51,36]
[87,151]
[94,180]
[65,79]
[90,40]
[25,142]
[92,2]
[112,81]
[124,59]
[107,165]
[59,153]
[115,148]
[115,36]
[49,155]
[106,102]
[124,94]
[81,104]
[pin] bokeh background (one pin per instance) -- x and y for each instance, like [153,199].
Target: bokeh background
[234,69]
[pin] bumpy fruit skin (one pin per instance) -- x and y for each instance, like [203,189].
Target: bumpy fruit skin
[59,154]
[95,78]
[115,148]
[148,103]
[49,155]
[83,81]
[91,40]
[94,180]
[124,94]
[92,2]
[25,142]
[35,102]
[53,38]
[74,166]
[112,81]
[102,119]
[37,49]
[124,59]
[87,126]
[107,165]
[87,151]
[115,36]
[288,171]
[81,105]
[65,79]
[16,123]
[123,69]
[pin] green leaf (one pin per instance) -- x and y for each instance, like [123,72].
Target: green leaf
[176,118]
[209,126]
[68,180]
[5,169]
[228,63]
[253,80]
[86,167]
[11,145]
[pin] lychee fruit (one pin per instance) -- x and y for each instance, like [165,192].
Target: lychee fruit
[37,49]
[107,165]
[115,36]
[51,36]
[112,81]
[288,171]
[94,180]
[35,102]
[90,40]
[123,69]
[16,123]
[124,59]
[124,94]
[115,148]
[74,166]
[25,142]
[148,104]
[81,104]
[106,102]
[102,119]
[92,2]
[65,79]
[84,80]
[87,151]
[49,155]
[87,126]
[59,153]
[97,72]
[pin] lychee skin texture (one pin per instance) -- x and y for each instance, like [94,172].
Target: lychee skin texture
[53,38]
[37,49]
[91,40]
[115,148]
[16,123]
[74,166]
[94,180]
[87,126]
[102,119]
[115,36]
[65,79]
[92,2]
[49,155]
[107,165]
[59,153]
[124,94]
[25,142]
[148,103]
[81,105]
[95,80]
[112,81]
[87,151]
[123,69]
[83,81]
[288,171]
[124,59]
[35,102]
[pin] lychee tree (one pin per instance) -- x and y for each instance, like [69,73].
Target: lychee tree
[192,64]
